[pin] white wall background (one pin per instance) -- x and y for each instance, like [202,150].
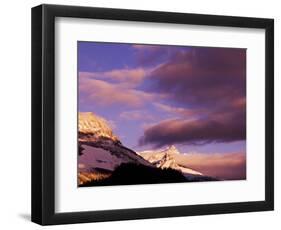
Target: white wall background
[15,114]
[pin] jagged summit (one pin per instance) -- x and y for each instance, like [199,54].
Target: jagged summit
[166,159]
[171,150]
[92,126]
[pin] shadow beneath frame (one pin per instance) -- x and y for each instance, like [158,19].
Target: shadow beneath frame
[25,216]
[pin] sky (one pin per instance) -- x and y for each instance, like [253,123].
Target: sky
[159,95]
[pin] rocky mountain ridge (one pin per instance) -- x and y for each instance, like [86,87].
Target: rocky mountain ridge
[165,158]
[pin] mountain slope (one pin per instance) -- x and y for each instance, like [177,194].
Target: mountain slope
[100,151]
[166,159]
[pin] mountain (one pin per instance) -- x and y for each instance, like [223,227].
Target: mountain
[166,158]
[100,151]
[92,127]
[104,160]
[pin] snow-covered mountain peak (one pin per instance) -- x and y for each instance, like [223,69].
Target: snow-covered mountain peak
[94,126]
[100,151]
[166,158]
[172,150]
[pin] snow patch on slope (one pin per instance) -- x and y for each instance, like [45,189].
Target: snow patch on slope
[98,158]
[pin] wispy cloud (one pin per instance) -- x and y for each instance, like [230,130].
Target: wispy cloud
[105,93]
[220,165]
[136,115]
[178,110]
[150,55]
[133,76]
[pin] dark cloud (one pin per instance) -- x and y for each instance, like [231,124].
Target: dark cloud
[203,76]
[226,127]
[210,79]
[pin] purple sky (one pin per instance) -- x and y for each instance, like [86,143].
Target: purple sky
[154,96]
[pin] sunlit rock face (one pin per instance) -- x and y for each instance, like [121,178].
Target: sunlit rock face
[93,127]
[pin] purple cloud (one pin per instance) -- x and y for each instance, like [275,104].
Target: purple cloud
[203,76]
[216,128]
[180,111]
[212,81]
[151,55]
[227,166]
[136,115]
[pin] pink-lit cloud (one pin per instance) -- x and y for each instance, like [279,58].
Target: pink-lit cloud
[133,76]
[179,110]
[105,93]
[229,166]
[136,115]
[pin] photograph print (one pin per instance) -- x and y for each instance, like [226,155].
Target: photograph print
[151,114]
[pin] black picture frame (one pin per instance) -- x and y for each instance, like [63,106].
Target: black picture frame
[43,114]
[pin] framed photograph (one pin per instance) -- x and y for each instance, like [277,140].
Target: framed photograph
[142,114]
